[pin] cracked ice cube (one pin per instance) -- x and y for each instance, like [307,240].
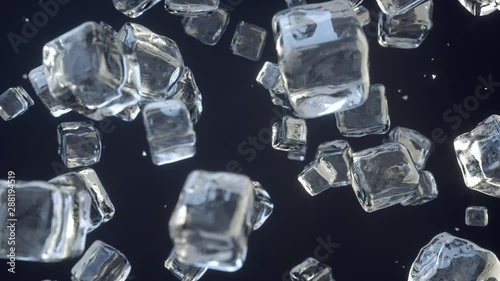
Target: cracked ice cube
[448,257]
[318,176]
[39,84]
[427,190]
[191,7]
[102,210]
[101,262]
[187,91]
[339,154]
[134,8]
[311,270]
[90,71]
[270,78]
[212,220]
[262,206]
[383,176]
[418,145]
[169,131]
[207,29]
[408,30]
[478,154]
[363,15]
[183,271]
[51,221]
[293,3]
[79,144]
[289,134]
[310,39]
[14,102]
[248,41]
[159,58]
[398,7]
[476,216]
[480,7]
[299,154]
[370,118]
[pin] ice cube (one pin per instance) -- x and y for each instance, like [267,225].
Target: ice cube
[383,176]
[51,221]
[356,3]
[160,60]
[248,41]
[212,220]
[130,113]
[79,144]
[363,15]
[289,134]
[39,83]
[14,102]
[134,8]
[318,176]
[270,78]
[187,91]
[448,257]
[101,262]
[476,216]
[293,3]
[310,39]
[370,118]
[478,154]
[299,154]
[90,71]
[182,271]
[311,270]
[262,206]
[418,145]
[408,30]
[207,29]
[427,190]
[480,7]
[169,131]
[102,210]
[339,154]
[398,7]
[191,7]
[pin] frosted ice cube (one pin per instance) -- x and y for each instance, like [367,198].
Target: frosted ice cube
[248,41]
[79,144]
[207,29]
[476,216]
[14,102]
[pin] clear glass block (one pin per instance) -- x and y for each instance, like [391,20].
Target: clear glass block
[363,15]
[191,7]
[249,41]
[79,144]
[398,7]
[427,190]
[101,262]
[318,176]
[159,57]
[293,3]
[51,221]
[289,134]
[187,91]
[311,270]
[339,154]
[102,209]
[478,154]
[418,145]
[383,176]
[309,40]
[476,216]
[134,8]
[480,7]
[14,102]
[39,84]
[262,206]
[370,118]
[212,220]
[130,113]
[270,78]
[208,29]
[182,271]
[299,154]
[169,131]
[408,30]
[448,257]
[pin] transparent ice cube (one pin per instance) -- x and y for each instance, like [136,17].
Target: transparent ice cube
[293,3]
[212,220]
[182,271]
[476,216]
[363,15]
[51,221]
[310,39]
[39,83]
[289,134]
[187,91]
[101,262]
[370,118]
[299,154]
[79,144]
[191,7]
[398,7]
[418,145]
[427,190]
[270,78]
[262,206]
[318,176]
[248,41]
[383,176]
[408,30]
[159,57]
[134,8]
[14,102]
[339,154]
[169,131]
[311,270]
[480,7]
[448,257]
[478,154]
[207,29]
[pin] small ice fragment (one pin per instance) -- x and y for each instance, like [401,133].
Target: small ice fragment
[144,153]
[476,216]
[130,113]
[262,206]
[188,92]
[79,144]
[14,102]
[248,41]
[405,97]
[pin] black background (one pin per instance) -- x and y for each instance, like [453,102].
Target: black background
[376,246]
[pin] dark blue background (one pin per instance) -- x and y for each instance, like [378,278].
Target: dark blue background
[458,50]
